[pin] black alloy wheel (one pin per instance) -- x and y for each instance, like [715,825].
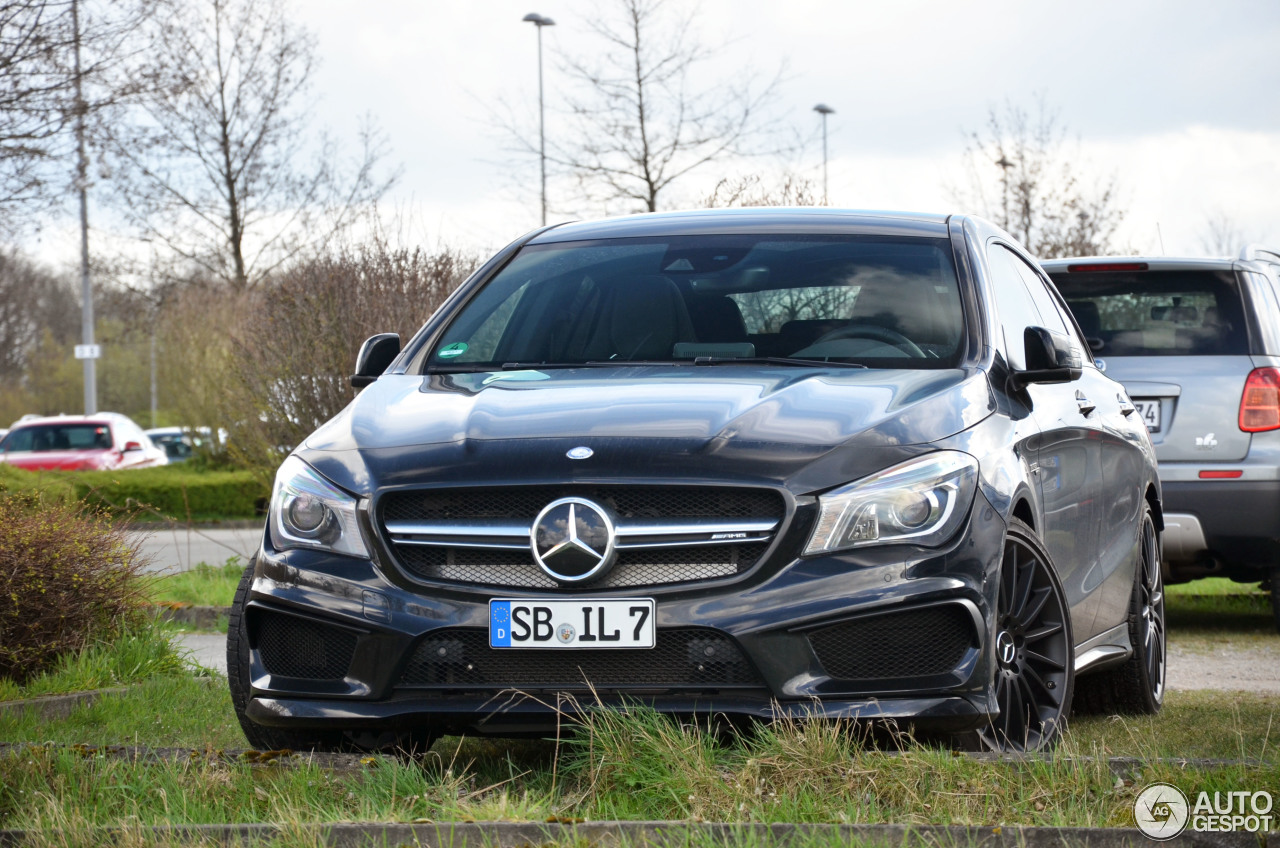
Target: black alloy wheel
[1033,648]
[1137,687]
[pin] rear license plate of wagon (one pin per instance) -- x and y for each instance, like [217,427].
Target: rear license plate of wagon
[577,623]
[1149,410]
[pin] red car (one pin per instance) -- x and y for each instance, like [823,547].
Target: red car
[100,442]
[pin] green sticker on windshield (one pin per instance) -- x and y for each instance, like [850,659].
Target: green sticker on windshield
[450,351]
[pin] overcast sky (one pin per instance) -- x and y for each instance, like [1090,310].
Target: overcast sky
[1175,99]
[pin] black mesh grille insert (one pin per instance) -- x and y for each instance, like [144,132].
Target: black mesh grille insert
[295,647]
[526,502]
[681,658]
[650,567]
[910,643]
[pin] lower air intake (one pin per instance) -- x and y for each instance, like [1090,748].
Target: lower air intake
[296,647]
[909,643]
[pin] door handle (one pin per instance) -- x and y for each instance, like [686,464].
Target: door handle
[1084,404]
[1126,408]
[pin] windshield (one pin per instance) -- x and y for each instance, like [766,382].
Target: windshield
[872,301]
[53,437]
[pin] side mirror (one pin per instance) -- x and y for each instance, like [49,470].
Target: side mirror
[375,355]
[131,446]
[1051,358]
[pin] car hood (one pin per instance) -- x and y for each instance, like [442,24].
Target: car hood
[79,460]
[721,422]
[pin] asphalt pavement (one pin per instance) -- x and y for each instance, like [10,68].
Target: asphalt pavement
[207,649]
[179,548]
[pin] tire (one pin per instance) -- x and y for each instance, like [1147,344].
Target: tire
[1137,687]
[261,737]
[1034,652]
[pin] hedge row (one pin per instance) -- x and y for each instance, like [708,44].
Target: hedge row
[170,491]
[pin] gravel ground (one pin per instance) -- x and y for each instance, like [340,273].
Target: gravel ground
[1255,668]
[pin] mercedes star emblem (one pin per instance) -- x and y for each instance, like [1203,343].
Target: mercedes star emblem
[572,539]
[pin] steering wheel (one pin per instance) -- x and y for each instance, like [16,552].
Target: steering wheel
[872,331]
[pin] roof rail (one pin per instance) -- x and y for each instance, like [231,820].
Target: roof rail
[1257,251]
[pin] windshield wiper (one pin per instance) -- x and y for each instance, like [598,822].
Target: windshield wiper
[774,360]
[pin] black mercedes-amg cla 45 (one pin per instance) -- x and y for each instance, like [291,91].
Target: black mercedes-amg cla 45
[747,463]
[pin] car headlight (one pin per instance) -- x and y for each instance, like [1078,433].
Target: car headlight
[921,502]
[307,511]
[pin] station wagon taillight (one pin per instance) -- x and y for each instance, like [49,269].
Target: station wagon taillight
[1260,403]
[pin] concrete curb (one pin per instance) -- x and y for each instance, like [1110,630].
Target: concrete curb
[338,763]
[524,834]
[54,707]
[203,618]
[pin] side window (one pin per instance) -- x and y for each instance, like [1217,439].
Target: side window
[1050,316]
[1014,305]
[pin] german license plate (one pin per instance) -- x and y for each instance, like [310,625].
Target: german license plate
[578,623]
[1149,410]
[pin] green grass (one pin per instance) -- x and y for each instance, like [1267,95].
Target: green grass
[161,712]
[204,585]
[1202,724]
[1215,586]
[137,654]
[635,765]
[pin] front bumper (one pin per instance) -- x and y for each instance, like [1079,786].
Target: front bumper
[838,636]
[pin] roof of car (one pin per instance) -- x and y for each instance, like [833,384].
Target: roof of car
[1153,263]
[762,220]
[96,418]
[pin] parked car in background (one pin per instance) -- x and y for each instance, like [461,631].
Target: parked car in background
[180,443]
[99,442]
[1196,344]
[748,463]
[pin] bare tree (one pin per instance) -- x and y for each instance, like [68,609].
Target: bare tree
[1022,174]
[33,37]
[1222,234]
[213,159]
[639,119]
[752,190]
[33,301]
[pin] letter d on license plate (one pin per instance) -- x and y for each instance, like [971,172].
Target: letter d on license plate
[579,623]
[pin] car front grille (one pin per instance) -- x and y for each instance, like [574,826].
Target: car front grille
[907,643]
[681,658]
[297,647]
[666,534]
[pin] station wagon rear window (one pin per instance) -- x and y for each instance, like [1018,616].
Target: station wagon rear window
[1157,313]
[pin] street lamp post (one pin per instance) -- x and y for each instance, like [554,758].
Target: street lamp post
[82,188]
[824,110]
[541,21]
